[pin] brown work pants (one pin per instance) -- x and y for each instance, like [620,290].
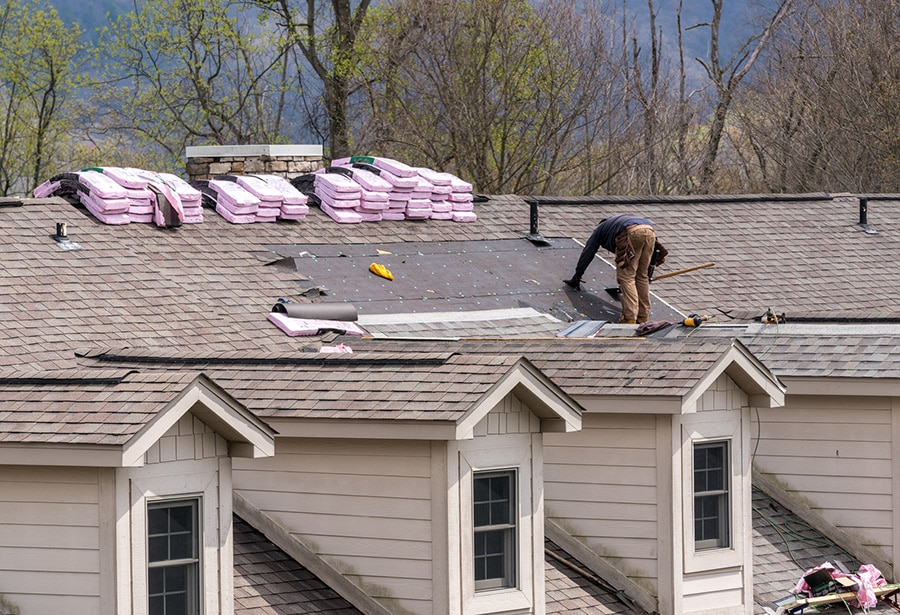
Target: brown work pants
[631,273]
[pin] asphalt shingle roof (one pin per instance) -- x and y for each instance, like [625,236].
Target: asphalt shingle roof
[267,581]
[76,408]
[784,548]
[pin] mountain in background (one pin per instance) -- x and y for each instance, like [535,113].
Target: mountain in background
[737,14]
[90,15]
[738,24]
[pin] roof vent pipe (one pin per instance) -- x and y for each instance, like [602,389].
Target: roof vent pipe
[534,236]
[864,216]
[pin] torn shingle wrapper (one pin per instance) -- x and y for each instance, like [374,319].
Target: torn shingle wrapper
[304,326]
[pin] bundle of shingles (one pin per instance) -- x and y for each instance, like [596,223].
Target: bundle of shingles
[371,188]
[119,195]
[243,199]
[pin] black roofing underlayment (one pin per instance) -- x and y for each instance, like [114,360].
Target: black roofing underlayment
[462,276]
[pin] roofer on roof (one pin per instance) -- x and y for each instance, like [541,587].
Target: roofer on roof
[633,241]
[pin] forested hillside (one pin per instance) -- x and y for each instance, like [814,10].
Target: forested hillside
[563,97]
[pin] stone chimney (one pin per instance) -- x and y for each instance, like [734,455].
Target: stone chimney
[288,161]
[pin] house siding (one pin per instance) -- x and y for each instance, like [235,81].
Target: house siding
[363,506]
[718,580]
[189,438]
[50,539]
[600,484]
[507,438]
[834,454]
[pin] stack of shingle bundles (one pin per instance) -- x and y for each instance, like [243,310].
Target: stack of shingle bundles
[168,211]
[419,205]
[140,199]
[375,192]
[402,188]
[104,198]
[294,204]
[340,197]
[191,198]
[233,202]
[397,195]
[441,207]
[269,197]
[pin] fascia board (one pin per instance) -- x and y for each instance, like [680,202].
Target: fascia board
[366,429]
[557,410]
[90,456]
[762,388]
[247,435]
[629,404]
[841,386]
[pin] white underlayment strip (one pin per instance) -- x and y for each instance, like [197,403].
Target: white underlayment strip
[459,316]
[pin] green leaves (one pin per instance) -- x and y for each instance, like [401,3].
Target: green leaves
[37,68]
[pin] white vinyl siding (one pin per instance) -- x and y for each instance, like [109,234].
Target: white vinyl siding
[714,591]
[50,557]
[601,484]
[363,506]
[834,453]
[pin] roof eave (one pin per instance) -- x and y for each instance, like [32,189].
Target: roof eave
[61,454]
[762,387]
[557,411]
[246,434]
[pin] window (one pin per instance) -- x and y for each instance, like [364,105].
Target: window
[173,560]
[711,496]
[494,497]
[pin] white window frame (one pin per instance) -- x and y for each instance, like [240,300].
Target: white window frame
[194,586]
[177,480]
[723,427]
[722,497]
[509,529]
[499,459]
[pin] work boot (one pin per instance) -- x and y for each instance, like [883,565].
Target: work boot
[642,319]
[622,321]
[574,283]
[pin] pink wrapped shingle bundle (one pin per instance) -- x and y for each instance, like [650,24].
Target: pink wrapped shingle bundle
[340,197]
[343,216]
[366,179]
[373,201]
[168,210]
[294,204]
[440,192]
[461,197]
[338,191]
[233,202]
[423,189]
[270,199]
[140,199]
[191,198]
[464,216]
[398,169]
[126,177]
[418,209]
[105,199]
[48,188]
